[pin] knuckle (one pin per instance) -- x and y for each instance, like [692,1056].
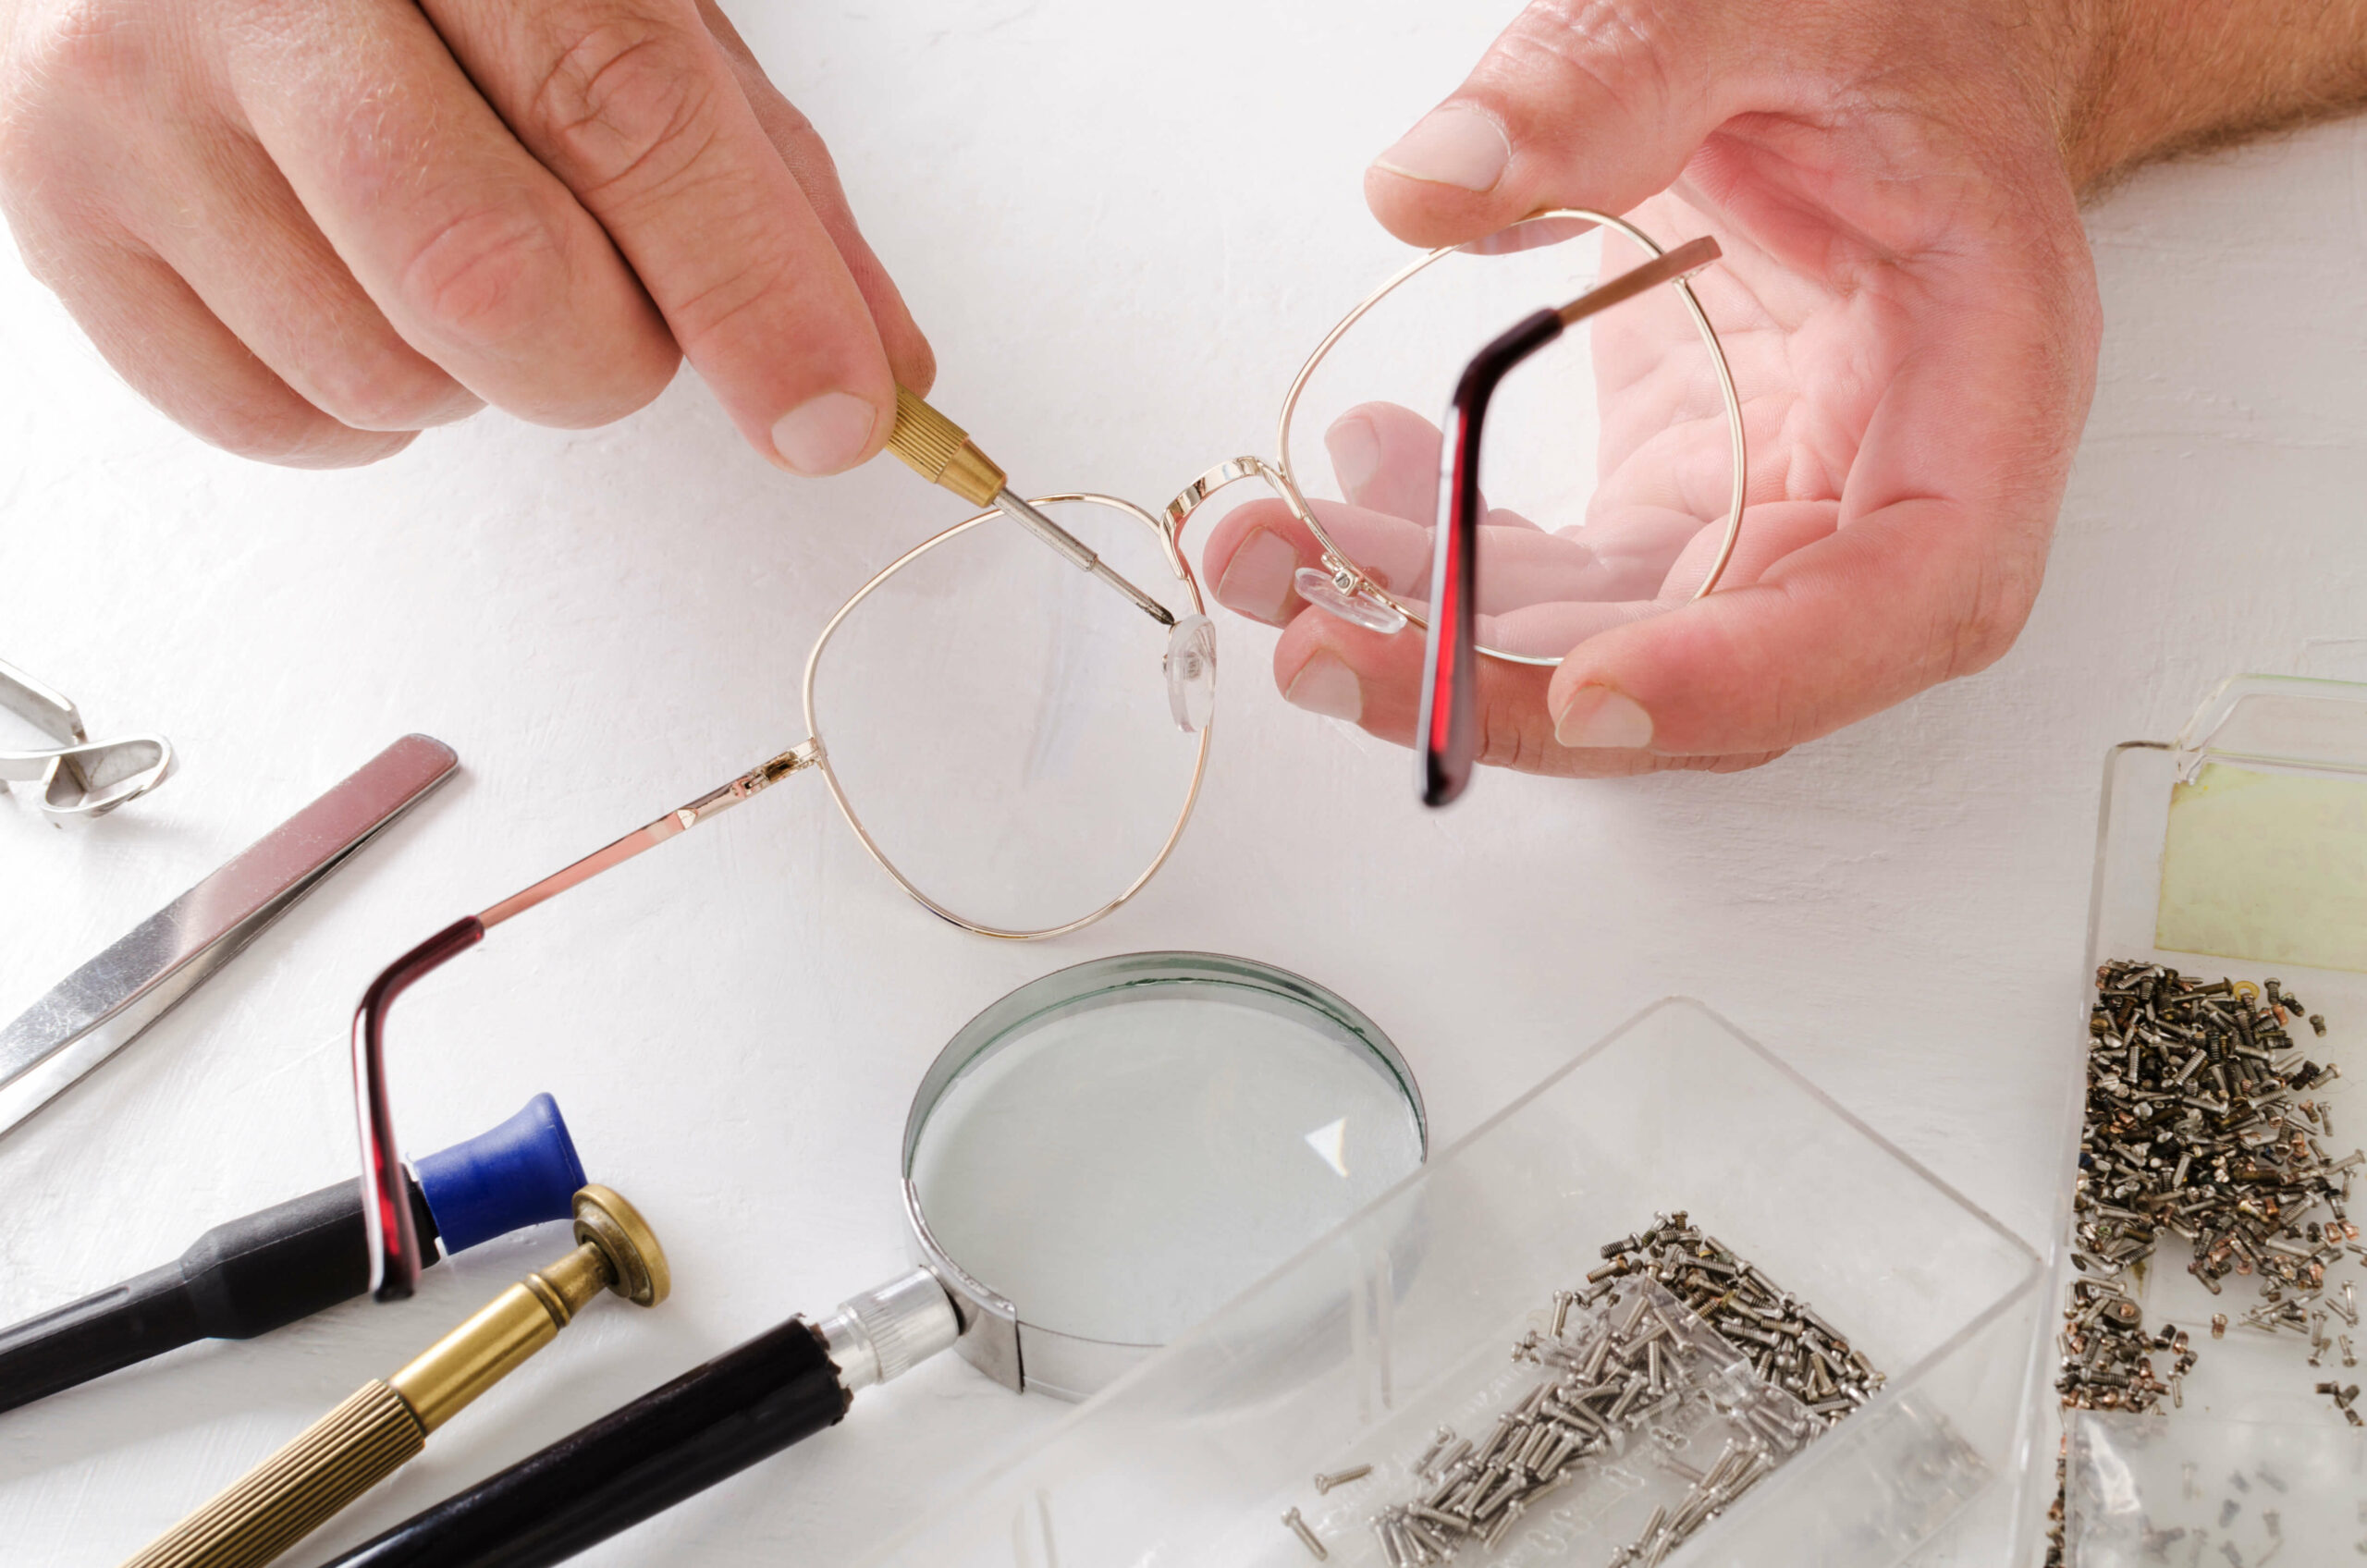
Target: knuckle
[788,121]
[734,297]
[489,274]
[625,383]
[1511,735]
[1992,615]
[280,428]
[386,389]
[50,253]
[80,46]
[628,103]
[69,51]
[1612,47]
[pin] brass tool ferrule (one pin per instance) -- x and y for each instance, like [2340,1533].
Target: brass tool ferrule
[618,1252]
[941,452]
[382,1426]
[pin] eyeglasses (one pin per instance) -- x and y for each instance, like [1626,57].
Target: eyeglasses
[983,695]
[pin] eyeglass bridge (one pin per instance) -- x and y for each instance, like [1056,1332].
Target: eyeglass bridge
[1336,587]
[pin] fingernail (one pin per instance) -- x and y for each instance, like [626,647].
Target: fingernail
[1256,582]
[1324,685]
[1452,145]
[824,434]
[1597,715]
[1355,447]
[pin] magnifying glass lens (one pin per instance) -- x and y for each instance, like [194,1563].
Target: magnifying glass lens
[1120,1171]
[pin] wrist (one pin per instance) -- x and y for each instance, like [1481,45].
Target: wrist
[2150,79]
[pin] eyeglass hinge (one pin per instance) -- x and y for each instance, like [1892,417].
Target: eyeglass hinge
[763,775]
[805,753]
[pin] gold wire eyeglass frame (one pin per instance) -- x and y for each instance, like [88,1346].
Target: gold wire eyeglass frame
[943,454]
[1169,529]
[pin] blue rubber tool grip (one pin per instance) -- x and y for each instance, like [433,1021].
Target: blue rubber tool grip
[252,1275]
[521,1174]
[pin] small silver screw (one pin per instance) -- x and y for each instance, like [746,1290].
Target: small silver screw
[1299,1528]
[1324,1483]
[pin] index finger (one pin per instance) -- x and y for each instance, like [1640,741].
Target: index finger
[476,253]
[637,108]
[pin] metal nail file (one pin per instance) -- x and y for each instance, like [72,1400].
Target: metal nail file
[105,1005]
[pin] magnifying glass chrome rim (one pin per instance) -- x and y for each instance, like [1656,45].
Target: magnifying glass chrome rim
[995,1338]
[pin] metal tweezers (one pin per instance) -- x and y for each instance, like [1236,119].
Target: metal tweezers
[101,1007]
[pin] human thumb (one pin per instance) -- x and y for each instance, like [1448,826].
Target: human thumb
[1580,103]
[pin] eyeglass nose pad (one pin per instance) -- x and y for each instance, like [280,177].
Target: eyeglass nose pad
[1342,593]
[1191,665]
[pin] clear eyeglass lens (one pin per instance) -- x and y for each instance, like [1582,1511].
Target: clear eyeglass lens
[999,723]
[1607,466]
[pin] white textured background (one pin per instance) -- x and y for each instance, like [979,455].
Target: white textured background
[1122,227]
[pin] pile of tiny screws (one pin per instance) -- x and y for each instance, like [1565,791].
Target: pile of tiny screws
[2193,1127]
[2106,1359]
[1789,1344]
[2196,1126]
[1602,1387]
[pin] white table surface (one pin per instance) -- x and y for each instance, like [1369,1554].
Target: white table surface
[1122,227]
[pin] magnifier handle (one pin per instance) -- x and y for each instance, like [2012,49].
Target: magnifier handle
[675,1441]
[637,1461]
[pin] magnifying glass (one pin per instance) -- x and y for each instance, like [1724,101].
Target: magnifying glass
[1091,1166]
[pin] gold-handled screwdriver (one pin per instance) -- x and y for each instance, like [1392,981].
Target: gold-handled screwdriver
[941,452]
[385,1423]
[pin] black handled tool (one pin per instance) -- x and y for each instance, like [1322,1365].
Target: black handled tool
[677,1439]
[268,1269]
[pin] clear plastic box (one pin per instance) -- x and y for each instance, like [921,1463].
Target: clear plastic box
[2238,850]
[1402,1320]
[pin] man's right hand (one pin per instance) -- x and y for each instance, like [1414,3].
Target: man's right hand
[307,229]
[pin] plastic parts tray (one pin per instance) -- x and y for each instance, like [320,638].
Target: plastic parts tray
[2238,850]
[1401,1319]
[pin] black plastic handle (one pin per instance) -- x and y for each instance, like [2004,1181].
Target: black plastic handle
[637,1461]
[241,1278]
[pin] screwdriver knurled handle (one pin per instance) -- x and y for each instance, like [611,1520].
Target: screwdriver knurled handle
[297,1489]
[941,451]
